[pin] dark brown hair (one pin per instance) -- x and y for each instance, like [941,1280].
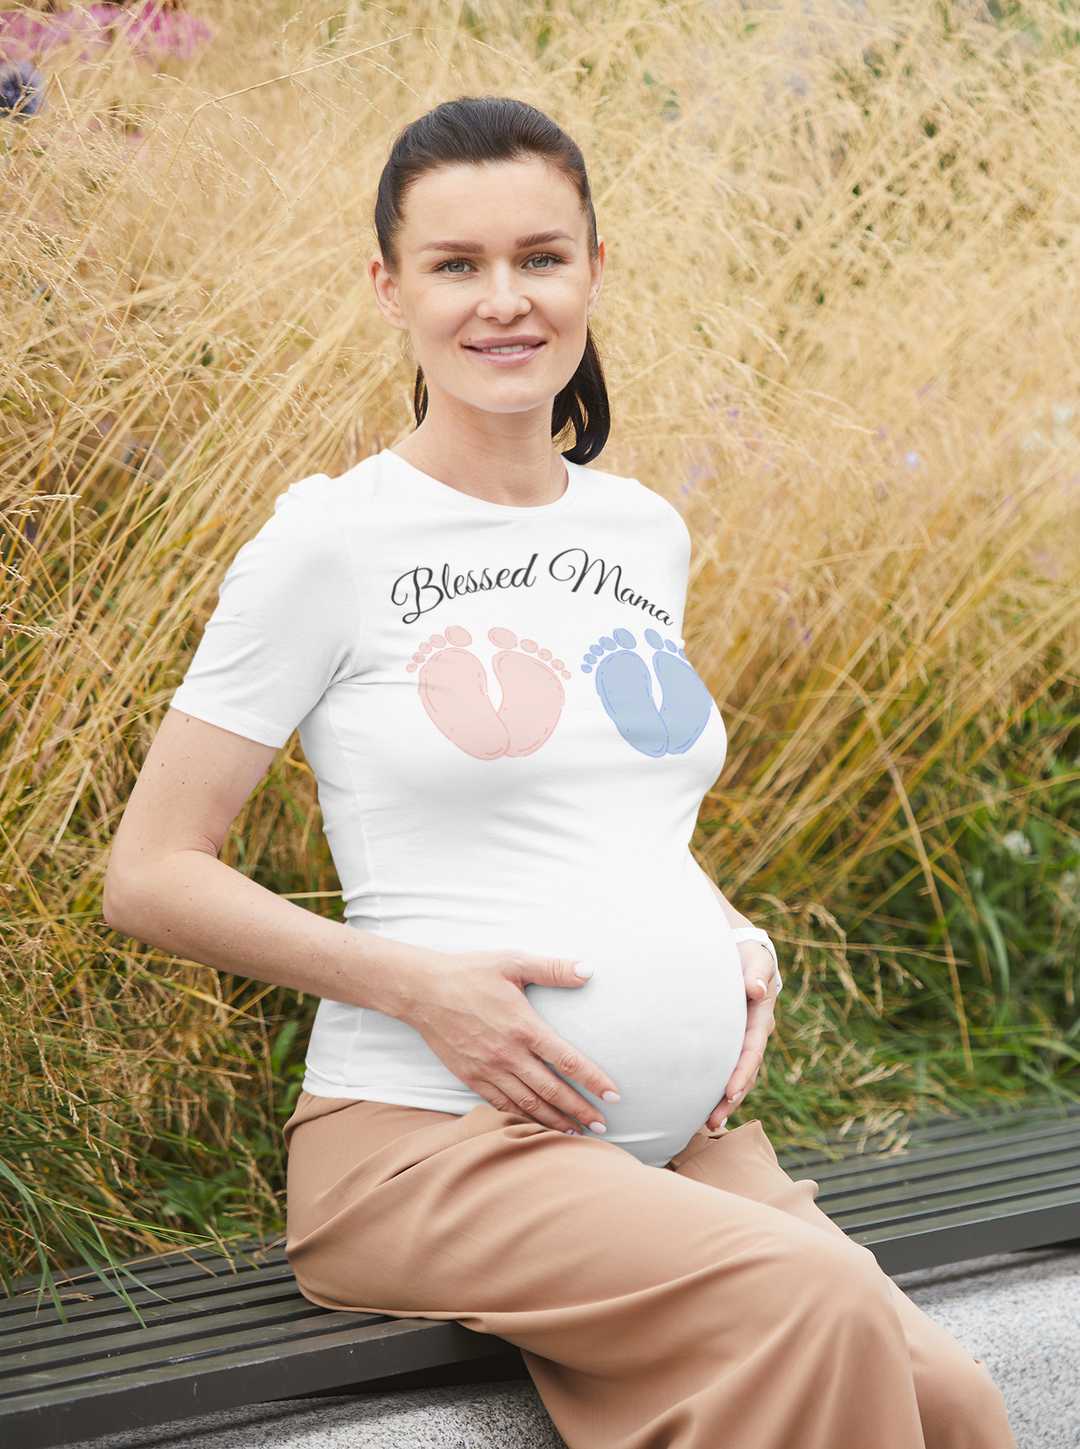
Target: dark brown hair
[473,131]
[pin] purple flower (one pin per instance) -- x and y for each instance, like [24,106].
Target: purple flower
[155,32]
[805,633]
[1048,563]
[22,90]
[152,31]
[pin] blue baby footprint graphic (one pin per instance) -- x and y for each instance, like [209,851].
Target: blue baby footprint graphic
[687,703]
[625,690]
[624,686]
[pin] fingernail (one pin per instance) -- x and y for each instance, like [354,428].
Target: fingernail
[570,1132]
[583,969]
[723,1124]
[736,1097]
[610,1097]
[597,1127]
[764,988]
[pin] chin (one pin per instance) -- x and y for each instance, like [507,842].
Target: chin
[511,398]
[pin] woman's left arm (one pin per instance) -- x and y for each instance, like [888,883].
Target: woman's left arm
[762,985]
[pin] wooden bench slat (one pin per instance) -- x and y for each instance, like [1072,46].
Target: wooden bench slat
[1059,1171]
[998,1209]
[230,1349]
[958,1207]
[935,1145]
[941,1160]
[919,1161]
[164,1282]
[915,1181]
[951,1240]
[183,1313]
[917,1172]
[989,1126]
[142,1351]
[257,1319]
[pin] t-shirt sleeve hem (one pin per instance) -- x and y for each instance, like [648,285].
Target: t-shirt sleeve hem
[237,723]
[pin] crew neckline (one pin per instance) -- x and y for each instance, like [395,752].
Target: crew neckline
[468,502]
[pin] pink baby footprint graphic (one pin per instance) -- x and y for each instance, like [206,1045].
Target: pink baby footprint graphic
[454,692]
[532,693]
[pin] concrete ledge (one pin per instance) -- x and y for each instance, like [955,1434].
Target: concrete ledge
[485,1416]
[1018,1312]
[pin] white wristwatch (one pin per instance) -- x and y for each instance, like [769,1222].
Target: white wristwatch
[755,933]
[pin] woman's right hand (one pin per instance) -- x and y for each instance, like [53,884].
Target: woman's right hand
[472,1011]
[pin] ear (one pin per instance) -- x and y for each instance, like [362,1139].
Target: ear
[385,287]
[598,264]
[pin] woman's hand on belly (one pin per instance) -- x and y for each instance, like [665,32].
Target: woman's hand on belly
[472,1011]
[762,986]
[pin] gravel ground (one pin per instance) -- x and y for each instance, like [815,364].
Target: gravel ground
[1018,1312]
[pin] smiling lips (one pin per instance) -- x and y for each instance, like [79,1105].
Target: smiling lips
[505,346]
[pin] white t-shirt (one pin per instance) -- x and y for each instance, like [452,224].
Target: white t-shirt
[511,751]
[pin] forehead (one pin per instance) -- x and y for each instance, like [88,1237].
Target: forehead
[491,200]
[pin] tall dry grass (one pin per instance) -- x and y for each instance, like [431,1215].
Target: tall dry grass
[841,327]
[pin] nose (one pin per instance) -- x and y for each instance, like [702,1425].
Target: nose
[504,297]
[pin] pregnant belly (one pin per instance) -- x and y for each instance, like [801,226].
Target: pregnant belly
[665,1019]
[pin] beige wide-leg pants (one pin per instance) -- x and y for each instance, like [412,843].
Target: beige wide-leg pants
[709,1306]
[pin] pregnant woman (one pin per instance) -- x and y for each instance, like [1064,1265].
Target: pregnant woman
[539,1012]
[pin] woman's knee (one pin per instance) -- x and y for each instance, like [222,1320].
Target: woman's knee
[843,1266]
[834,1282]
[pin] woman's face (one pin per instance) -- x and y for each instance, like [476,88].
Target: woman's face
[494,283]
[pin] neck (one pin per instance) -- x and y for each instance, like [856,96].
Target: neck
[503,458]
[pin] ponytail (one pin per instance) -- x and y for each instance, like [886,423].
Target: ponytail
[419,397]
[582,405]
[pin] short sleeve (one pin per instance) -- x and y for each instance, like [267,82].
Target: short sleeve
[285,627]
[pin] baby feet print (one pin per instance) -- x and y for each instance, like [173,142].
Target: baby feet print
[454,691]
[532,693]
[624,685]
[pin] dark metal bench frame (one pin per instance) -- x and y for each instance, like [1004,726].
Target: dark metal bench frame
[221,1333]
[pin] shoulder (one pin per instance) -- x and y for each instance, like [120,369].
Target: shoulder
[300,528]
[340,499]
[633,500]
[305,539]
[321,517]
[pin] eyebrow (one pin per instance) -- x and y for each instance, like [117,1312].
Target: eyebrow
[475,249]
